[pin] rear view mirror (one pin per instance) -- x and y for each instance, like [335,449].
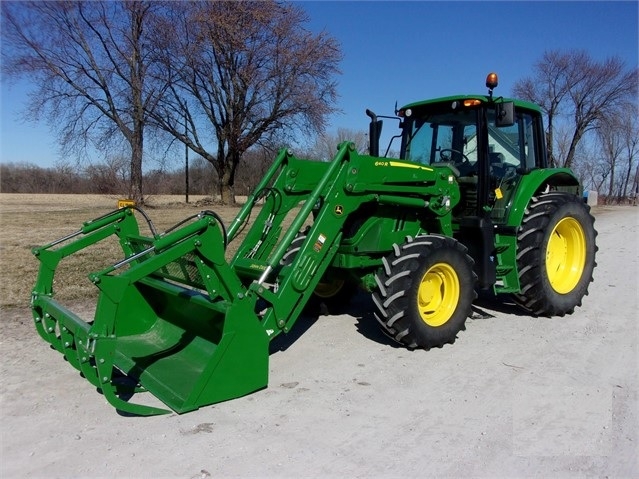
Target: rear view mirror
[505,114]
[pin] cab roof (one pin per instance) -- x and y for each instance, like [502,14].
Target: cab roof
[483,98]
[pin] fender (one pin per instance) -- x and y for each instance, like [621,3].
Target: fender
[536,181]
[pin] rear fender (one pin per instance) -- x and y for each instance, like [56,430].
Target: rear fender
[537,181]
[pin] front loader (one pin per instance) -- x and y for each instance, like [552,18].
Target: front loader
[468,205]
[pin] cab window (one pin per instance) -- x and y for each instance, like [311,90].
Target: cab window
[511,148]
[443,137]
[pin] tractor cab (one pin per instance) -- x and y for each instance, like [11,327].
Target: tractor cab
[489,143]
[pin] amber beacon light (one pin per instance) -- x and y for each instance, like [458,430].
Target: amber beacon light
[492,81]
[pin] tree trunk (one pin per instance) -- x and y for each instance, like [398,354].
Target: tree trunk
[227,193]
[135,187]
[552,162]
[226,174]
[628,175]
[227,180]
[573,148]
[611,187]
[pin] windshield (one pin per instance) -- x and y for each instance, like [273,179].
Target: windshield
[449,137]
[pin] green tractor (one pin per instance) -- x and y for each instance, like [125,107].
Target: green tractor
[470,205]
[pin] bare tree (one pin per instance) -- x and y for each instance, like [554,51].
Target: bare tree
[548,88]
[325,145]
[90,62]
[242,73]
[253,166]
[629,133]
[583,89]
[611,153]
[609,164]
[109,177]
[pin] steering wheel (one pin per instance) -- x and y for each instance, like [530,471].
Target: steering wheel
[465,168]
[443,157]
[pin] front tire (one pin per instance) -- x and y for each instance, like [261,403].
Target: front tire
[425,291]
[555,254]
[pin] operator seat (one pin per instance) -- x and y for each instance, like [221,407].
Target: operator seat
[497,164]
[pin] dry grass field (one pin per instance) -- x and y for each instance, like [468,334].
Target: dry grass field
[27,221]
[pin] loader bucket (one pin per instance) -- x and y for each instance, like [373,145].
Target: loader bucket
[172,319]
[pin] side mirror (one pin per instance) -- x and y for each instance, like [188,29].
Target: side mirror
[505,114]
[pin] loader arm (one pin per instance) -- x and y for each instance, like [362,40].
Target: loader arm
[177,320]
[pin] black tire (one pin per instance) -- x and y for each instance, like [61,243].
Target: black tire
[425,291]
[555,254]
[334,291]
[293,249]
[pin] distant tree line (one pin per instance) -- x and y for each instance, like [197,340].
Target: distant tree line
[112,178]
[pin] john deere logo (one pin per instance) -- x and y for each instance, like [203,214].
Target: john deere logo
[339,209]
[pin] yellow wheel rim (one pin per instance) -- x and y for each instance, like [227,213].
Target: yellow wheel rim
[566,255]
[438,294]
[330,289]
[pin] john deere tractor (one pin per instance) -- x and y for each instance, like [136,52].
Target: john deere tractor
[469,205]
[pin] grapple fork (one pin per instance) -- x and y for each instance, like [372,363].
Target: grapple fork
[172,317]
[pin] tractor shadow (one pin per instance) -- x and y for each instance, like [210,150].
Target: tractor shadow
[488,303]
[486,307]
[286,340]
[361,308]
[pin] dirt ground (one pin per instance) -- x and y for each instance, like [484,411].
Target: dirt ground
[515,396]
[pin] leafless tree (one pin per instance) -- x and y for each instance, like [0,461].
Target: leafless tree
[573,85]
[325,145]
[548,88]
[109,177]
[610,163]
[629,133]
[30,178]
[591,171]
[611,152]
[90,62]
[242,73]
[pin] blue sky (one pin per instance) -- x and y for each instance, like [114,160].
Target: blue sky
[401,52]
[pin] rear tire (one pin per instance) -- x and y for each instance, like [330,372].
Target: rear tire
[425,291]
[555,254]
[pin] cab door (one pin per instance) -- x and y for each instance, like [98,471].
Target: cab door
[512,150]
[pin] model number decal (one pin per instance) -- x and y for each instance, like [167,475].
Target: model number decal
[397,164]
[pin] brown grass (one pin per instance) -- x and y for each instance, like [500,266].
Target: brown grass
[27,221]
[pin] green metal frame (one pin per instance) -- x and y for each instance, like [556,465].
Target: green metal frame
[176,319]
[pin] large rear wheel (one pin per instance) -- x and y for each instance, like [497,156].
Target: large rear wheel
[555,254]
[425,291]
